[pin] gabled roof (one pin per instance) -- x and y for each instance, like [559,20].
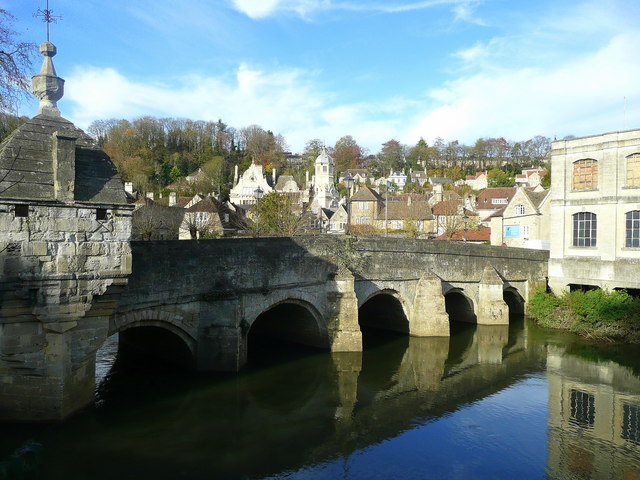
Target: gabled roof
[366,194]
[536,197]
[403,211]
[207,204]
[485,197]
[328,213]
[439,180]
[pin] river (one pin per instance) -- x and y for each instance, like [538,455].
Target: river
[486,403]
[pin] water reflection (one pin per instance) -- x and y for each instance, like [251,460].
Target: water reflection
[487,402]
[594,417]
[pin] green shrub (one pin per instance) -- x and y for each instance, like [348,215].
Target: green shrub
[542,305]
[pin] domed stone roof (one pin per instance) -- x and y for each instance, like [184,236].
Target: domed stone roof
[324,157]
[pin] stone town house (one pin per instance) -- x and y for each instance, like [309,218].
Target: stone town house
[595,212]
[524,222]
[366,206]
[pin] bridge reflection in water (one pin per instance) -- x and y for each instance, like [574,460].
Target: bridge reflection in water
[486,402]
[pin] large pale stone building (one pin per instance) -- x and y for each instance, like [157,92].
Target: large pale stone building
[595,212]
[65,226]
[244,188]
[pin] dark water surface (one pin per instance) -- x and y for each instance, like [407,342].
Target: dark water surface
[488,403]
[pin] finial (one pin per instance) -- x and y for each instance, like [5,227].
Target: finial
[47,17]
[47,86]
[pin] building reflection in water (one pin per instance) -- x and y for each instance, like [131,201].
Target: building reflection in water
[594,418]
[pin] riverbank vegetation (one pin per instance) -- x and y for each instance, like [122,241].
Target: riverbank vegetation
[595,314]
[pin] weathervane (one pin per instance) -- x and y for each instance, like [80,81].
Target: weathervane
[47,17]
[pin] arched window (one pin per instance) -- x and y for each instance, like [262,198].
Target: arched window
[585,174]
[584,229]
[519,210]
[633,170]
[632,231]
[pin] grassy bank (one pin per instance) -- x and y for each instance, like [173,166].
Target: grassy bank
[595,314]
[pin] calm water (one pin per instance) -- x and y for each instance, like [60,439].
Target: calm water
[490,402]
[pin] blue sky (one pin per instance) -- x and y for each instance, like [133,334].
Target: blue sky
[373,69]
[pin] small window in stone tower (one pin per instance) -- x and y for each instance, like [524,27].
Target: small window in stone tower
[21,210]
[101,213]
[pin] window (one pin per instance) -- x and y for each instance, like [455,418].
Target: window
[585,174]
[499,201]
[631,423]
[584,229]
[202,216]
[583,409]
[21,210]
[101,213]
[632,231]
[519,209]
[633,170]
[525,231]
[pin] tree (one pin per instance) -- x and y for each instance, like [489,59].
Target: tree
[156,222]
[498,178]
[275,216]
[175,173]
[392,155]
[347,153]
[15,63]
[420,155]
[546,180]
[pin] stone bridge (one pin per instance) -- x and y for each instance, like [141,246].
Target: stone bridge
[202,303]
[317,291]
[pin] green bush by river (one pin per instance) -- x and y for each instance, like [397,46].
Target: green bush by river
[596,313]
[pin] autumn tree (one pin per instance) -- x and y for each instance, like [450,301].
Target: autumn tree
[347,153]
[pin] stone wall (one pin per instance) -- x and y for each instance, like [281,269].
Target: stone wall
[54,263]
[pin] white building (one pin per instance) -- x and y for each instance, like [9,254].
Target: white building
[325,194]
[595,212]
[243,191]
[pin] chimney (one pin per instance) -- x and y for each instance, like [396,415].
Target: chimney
[64,166]
[235,176]
[128,187]
[172,199]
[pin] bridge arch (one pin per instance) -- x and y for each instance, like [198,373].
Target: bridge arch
[515,302]
[384,310]
[157,335]
[289,320]
[459,306]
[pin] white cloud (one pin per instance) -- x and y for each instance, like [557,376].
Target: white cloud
[285,101]
[257,9]
[582,96]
